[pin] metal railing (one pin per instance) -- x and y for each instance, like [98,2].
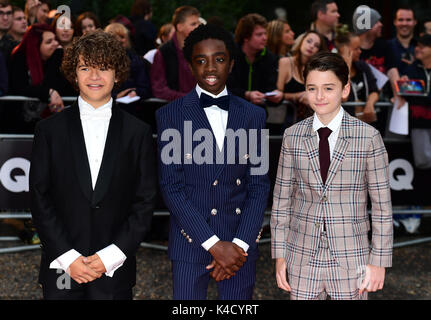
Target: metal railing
[27,215]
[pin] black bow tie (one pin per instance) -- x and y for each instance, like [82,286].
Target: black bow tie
[206,101]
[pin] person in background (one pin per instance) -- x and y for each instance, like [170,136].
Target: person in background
[254,74]
[165,34]
[86,22]
[64,30]
[363,84]
[36,73]
[170,75]
[425,27]
[145,31]
[374,49]
[290,79]
[402,46]
[19,24]
[7,43]
[325,16]
[138,82]
[37,11]
[280,38]
[419,125]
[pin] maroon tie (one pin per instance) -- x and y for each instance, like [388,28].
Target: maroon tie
[324,152]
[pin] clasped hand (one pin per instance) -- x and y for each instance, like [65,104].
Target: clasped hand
[228,259]
[86,269]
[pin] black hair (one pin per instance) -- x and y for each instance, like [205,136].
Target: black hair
[327,61]
[208,31]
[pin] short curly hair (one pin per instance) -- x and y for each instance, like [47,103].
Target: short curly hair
[98,49]
[204,32]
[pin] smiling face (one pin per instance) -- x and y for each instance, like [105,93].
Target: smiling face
[95,84]
[211,65]
[325,93]
[405,23]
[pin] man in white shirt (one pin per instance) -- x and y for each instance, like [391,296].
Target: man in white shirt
[92,180]
[217,207]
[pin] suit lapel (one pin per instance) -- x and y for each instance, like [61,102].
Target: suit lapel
[194,113]
[235,121]
[110,155]
[340,148]
[312,149]
[79,151]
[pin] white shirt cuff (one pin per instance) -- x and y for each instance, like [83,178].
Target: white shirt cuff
[112,258]
[241,244]
[65,260]
[210,242]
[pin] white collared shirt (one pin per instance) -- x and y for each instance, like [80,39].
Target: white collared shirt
[334,125]
[95,124]
[217,118]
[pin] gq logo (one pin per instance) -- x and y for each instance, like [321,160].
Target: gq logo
[401,181]
[14,175]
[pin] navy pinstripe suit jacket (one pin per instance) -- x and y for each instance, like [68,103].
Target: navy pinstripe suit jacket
[210,199]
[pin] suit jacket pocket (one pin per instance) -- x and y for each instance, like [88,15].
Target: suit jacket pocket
[300,244]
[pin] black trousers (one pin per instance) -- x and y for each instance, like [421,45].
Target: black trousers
[86,291]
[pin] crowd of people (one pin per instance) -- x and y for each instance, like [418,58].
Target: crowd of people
[268,68]
[268,63]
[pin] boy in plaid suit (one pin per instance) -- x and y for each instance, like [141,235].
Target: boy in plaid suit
[329,164]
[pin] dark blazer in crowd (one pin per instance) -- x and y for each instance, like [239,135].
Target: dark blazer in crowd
[7,44]
[66,211]
[4,81]
[20,81]
[145,34]
[261,75]
[138,76]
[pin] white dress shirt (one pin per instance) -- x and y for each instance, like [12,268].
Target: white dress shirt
[217,118]
[95,124]
[334,125]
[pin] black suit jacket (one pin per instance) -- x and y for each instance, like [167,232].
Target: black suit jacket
[66,211]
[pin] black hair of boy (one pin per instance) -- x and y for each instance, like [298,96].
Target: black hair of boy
[204,32]
[327,61]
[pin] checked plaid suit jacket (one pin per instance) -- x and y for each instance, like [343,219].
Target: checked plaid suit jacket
[301,203]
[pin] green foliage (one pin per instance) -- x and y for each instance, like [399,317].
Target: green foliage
[228,10]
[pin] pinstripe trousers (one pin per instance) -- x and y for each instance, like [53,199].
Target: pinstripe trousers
[190,282]
[324,278]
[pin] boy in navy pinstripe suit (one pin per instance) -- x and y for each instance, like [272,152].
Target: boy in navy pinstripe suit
[216,208]
[329,164]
